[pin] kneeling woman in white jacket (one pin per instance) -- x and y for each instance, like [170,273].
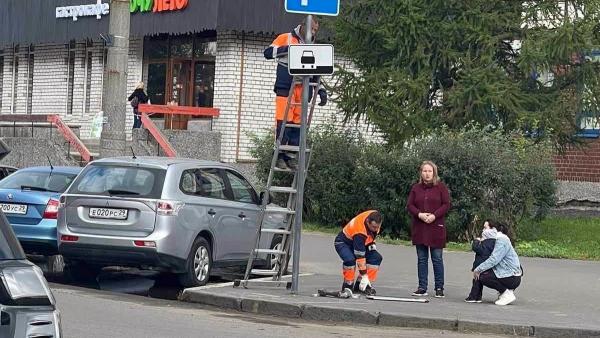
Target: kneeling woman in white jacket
[502,271]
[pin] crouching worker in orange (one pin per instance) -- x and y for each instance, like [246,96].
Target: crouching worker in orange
[355,245]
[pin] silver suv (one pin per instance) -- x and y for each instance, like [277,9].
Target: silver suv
[180,215]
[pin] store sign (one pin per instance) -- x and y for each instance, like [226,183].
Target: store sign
[98,10]
[156,5]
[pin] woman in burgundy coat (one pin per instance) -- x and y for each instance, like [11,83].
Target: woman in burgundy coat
[428,203]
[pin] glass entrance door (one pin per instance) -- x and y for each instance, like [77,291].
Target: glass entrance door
[181,83]
[204,79]
[157,82]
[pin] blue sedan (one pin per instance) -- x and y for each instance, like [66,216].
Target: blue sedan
[29,198]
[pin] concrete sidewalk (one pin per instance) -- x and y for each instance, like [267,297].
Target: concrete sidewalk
[557,298]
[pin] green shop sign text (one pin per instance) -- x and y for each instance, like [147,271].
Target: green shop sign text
[156,5]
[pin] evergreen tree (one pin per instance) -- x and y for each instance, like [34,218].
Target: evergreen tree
[422,64]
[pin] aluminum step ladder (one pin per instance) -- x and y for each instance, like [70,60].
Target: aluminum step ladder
[281,254]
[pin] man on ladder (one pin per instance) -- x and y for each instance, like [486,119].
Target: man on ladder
[283,88]
[355,245]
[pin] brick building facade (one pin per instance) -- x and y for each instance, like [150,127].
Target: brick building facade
[579,164]
[63,74]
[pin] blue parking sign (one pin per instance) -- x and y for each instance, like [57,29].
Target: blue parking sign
[317,7]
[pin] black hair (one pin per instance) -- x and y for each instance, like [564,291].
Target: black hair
[375,216]
[502,227]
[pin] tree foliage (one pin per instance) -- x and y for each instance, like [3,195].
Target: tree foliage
[489,174]
[422,64]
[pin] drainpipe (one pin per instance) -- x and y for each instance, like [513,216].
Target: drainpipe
[240,93]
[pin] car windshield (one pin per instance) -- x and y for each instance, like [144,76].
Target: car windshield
[38,181]
[123,181]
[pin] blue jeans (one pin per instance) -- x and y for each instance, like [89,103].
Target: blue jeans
[137,121]
[423,269]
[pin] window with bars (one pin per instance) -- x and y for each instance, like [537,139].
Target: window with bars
[30,64]
[1,76]
[15,74]
[70,77]
[88,82]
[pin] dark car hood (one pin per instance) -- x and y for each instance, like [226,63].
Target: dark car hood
[4,150]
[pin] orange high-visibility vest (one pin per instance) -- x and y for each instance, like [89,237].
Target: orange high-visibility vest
[357,226]
[283,40]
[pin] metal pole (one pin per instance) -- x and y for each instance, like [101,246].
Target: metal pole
[113,139]
[301,169]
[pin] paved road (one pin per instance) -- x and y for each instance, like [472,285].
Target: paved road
[568,287]
[561,293]
[90,313]
[554,292]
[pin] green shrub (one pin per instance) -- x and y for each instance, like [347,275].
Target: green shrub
[329,192]
[489,174]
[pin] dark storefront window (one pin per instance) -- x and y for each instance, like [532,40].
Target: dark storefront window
[205,48]
[157,79]
[204,79]
[181,69]
[156,48]
[182,46]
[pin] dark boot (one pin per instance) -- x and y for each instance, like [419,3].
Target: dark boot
[356,287]
[370,291]
[346,286]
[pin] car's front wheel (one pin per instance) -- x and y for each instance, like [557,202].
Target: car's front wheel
[198,265]
[273,260]
[55,264]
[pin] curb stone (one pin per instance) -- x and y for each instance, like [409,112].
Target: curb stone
[496,328]
[234,303]
[271,308]
[321,313]
[388,319]
[565,332]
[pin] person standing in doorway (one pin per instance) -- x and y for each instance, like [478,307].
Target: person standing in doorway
[135,99]
[428,203]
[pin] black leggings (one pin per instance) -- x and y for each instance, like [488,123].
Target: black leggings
[488,278]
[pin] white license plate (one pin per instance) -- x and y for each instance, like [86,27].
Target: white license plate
[8,208]
[108,213]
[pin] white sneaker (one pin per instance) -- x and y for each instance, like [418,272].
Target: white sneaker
[506,298]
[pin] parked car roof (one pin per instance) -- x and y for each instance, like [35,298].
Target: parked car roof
[66,170]
[8,166]
[162,162]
